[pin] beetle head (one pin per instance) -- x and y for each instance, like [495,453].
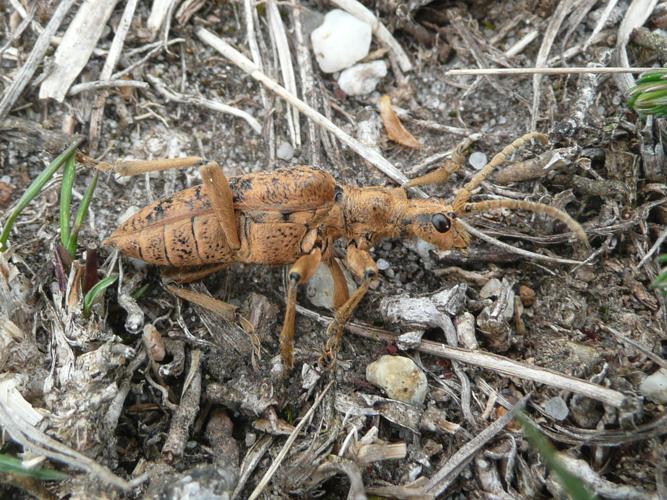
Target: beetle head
[434,222]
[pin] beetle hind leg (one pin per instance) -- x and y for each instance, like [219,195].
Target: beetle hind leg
[183,275]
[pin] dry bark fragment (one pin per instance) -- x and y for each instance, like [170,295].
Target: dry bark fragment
[392,124]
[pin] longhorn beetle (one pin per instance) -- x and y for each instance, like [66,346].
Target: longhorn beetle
[294,216]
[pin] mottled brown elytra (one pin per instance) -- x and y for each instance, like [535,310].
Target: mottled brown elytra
[293,216]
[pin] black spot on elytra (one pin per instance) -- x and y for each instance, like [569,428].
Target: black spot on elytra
[158,210]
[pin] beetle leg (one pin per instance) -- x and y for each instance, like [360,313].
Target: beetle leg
[135,167]
[361,264]
[217,306]
[187,275]
[218,191]
[302,270]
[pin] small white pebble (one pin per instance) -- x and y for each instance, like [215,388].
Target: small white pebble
[340,41]
[250,439]
[361,79]
[477,160]
[400,378]
[382,264]
[654,387]
[285,151]
[491,288]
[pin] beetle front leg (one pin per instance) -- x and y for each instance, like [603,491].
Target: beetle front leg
[362,265]
[302,270]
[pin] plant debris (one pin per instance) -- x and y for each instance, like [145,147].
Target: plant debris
[117,382]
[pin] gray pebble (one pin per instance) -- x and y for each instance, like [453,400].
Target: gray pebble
[556,408]
[382,264]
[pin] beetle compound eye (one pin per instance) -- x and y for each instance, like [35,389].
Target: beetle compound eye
[441,222]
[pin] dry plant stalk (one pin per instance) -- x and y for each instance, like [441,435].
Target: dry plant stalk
[76,47]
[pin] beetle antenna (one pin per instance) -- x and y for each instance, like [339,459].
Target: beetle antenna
[538,208]
[463,195]
[441,175]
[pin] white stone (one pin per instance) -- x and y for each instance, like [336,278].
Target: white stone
[491,288]
[285,151]
[320,288]
[400,378]
[340,41]
[361,79]
[477,160]
[654,387]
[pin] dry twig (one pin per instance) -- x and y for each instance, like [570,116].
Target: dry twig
[288,444]
[76,48]
[115,50]
[636,15]
[246,65]
[279,37]
[493,362]
[211,104]
[24,76]
[542,71]
[562,10]
[441,480]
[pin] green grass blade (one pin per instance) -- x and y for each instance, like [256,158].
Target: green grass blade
[140,292]
[69,173]
[81,216]
[13,465]
[33,190]
[572,484]
[94,292]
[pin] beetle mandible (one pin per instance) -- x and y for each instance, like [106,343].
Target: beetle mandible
[294,216]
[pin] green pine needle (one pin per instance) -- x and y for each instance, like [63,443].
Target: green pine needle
[69,173]
[97,290]
[649,95]
[34,189]
[571,483]
[81,216]
[13,465]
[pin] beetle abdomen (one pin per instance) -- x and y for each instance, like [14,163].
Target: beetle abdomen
[181,230]
[186,241]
